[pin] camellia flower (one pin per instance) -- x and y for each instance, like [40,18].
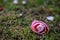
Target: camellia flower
[15,1]
[39,27]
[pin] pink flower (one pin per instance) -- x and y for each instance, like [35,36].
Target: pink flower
[39,27]
[1,8]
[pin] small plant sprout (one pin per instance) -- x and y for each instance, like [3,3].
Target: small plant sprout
[15,1]
[24,2]
[51,18]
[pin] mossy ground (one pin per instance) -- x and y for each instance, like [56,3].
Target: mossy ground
[13,27]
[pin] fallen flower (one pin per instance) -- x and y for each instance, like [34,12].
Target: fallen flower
[51,18]
[15,1]
[39,27]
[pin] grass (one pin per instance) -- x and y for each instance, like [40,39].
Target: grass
[18,28]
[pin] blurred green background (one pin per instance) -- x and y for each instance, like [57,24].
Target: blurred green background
[14,26]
